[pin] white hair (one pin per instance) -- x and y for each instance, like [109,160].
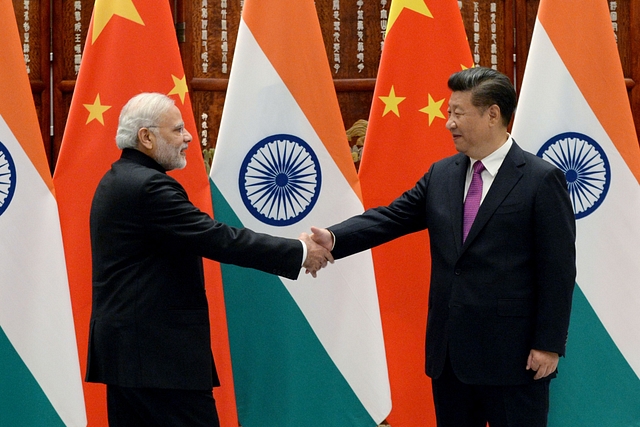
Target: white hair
[143,110]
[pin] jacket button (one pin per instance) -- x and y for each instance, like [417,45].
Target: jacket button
[458,272]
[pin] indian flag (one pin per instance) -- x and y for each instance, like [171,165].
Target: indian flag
[311,351]
[574,111]
[39,370]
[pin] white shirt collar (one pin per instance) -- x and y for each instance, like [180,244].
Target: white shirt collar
[493,161]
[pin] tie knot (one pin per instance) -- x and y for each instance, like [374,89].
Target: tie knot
[478,167]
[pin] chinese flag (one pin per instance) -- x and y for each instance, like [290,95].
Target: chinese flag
[425,43]
[131,48]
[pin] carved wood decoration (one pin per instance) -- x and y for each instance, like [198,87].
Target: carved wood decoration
[353,31]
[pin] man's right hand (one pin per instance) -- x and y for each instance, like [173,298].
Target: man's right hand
[323,237]
[317,255]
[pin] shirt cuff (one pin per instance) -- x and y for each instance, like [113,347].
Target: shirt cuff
[304,252]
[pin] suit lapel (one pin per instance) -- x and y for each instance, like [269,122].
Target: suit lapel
[508,175]
[456,192]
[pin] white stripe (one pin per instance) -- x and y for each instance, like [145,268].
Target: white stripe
[35,307]
[341,305]
[607,240]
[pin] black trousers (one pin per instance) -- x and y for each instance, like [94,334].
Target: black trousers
[465,405]
[152,407]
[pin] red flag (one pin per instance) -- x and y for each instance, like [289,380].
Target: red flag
[131,48]
[425,43]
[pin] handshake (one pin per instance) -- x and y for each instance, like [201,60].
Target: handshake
[319,245]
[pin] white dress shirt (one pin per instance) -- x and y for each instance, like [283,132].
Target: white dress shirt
[491,164]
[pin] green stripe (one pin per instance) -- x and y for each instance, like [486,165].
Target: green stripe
[22,401]
[595,387]
[283,376]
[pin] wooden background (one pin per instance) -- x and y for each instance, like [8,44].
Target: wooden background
[499,32]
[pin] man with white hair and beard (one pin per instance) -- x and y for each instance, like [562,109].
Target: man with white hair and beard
[149,337]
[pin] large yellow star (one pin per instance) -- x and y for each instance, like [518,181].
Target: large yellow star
[104,10]
[96,110]
[391,102]
[397,6]
[433,109]
[180,87]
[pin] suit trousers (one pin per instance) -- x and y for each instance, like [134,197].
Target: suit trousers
[464,405]
[153,407]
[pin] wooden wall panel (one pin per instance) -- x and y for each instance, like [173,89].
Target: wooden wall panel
[353,51]
[499,32]
[70,24]
[622,13]
[32,17]
[211,28]
[489,27]
[634,62]
[620,20]
[353,32]
[523,10]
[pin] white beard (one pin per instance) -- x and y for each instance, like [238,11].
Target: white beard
[168,156]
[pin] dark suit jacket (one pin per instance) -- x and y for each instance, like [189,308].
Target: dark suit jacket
[150,320]
[508,288]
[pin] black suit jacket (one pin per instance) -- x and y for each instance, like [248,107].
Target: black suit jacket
[150,320]
[508,288]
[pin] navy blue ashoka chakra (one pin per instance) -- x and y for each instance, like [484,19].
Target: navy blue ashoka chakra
[280,180]
[7,178]
[586,167]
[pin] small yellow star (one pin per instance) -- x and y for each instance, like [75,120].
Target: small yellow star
[433,109]
[180,87]
[391,102]
[96,110]
[104,10]
[398,6]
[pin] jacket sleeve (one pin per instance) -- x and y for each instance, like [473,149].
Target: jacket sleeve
[555,234]
[406,214]
[175,223]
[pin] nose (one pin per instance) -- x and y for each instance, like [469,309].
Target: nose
[186,135]
[451,124]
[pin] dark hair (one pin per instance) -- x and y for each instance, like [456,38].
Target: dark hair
[488,87]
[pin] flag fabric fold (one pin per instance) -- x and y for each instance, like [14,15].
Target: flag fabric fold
[425,43]
[305,352]
[131,48]
[39,371]
[574,111]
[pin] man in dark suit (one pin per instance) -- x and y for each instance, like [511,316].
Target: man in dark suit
[150,336]
[502,274]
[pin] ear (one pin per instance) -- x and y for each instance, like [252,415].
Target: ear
[495,115]
[146,138]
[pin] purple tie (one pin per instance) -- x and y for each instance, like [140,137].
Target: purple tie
[472,202]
